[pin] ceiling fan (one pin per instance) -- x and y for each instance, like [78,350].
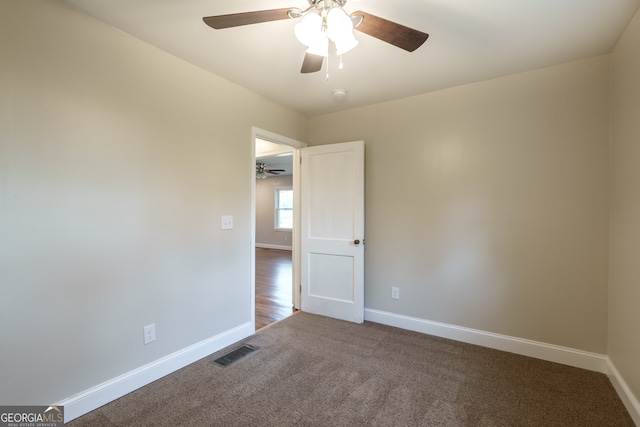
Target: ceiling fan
[262,170]
[324,21]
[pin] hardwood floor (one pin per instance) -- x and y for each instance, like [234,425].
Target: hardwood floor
[273,286]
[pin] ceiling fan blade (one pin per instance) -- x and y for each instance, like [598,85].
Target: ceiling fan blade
[311,63]
[246,18]
[273,173]
[391,32]
[276,170]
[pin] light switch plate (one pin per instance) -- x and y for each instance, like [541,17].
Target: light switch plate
[227,222]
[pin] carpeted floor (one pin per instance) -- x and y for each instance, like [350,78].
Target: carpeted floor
[315,371]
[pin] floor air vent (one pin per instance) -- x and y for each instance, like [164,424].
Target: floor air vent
[234,355]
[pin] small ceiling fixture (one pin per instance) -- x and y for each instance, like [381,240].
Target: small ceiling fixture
[339,95]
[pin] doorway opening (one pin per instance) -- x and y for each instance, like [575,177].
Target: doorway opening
[274,296]
[275,284]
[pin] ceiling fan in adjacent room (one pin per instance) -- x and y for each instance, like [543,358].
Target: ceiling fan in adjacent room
[326,21]
[262,170]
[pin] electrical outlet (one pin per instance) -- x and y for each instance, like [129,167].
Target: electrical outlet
[395,292]
[149,333]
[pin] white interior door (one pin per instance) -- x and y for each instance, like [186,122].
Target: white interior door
[332,230]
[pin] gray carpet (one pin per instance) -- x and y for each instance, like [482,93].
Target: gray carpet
[314,371]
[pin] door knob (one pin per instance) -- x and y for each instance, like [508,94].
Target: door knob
[356,242]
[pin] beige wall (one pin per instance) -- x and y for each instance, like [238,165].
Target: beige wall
[265,212]
[624,288]
[111,195]
[487,203]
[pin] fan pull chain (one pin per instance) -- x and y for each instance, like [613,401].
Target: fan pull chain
[327,69]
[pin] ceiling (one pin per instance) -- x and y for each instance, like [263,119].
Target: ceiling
[469,41]
[275,156]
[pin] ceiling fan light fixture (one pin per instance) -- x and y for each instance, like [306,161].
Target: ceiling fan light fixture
[260,170]
[309,29]
[340,30]
[339,24]
[320,26]
[324,21]
[345,44]
[320,47]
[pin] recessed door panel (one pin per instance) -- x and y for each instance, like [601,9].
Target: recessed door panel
[331,276]
[330,195]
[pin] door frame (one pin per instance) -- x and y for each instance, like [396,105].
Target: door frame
[295,240]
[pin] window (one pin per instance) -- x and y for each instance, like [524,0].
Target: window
[284,208]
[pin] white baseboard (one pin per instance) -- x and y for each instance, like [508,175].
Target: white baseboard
[115,388]
[539,350]
[268,246]
[108,391]
[625,393]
